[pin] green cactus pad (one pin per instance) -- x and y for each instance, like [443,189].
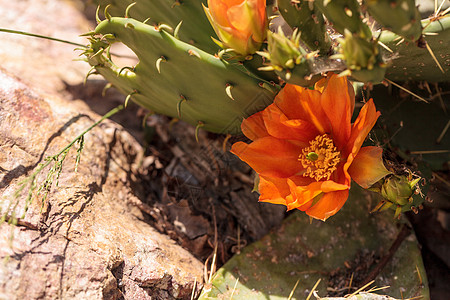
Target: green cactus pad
[305,16]
[399,16]
[331,251]
[177,79]
[414,127]
[413,63]
[345,15]
[196,29]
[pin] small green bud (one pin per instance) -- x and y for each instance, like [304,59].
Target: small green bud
[399,189]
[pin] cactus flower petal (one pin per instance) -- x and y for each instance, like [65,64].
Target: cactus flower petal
[270,156]
[239,24]
[306,150]
[367,167]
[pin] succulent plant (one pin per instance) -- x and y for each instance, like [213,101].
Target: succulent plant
[182,73]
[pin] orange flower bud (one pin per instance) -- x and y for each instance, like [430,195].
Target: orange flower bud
[240,24]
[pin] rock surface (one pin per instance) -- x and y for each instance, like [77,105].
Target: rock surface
[85,241]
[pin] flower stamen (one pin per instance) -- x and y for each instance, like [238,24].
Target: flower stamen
[320,158]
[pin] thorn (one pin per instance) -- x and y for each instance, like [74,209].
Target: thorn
[378,206]
[398,212]
[267,86]
[439,9]
[399,42]
[199,125]
[107,86]
[108,52]
[92,70]
[225,141]
[434,57]
[108,36]
[385,47]
[183,99]
[176,3]
[345,73]
[129,25]
[313,289]
[406,90]
[146,21]
[164,27]
[158,63]
[268,68]
[126,68]
[444,131]
[228,88]
[177,29]
[129,97]
[97,17]
[127,11]
[144,120]
[107,15]
[90,33]
[193,52]
[288,75]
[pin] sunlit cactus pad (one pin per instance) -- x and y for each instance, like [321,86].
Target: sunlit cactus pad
[196,28]
[177,79]
[350,242]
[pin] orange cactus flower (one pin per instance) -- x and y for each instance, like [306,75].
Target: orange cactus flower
[240,24]
[306,151]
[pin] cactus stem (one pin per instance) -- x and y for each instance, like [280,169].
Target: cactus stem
[183,99]
[127,11]
[107,87]
[92,70]
[158,63]
[228,88]
[192,52]
[127,99]
[107,15]
[177,29]
[434,57]
[126,68]
[97,17]
[200,124]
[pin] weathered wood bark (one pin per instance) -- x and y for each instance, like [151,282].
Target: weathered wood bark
[87,242]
